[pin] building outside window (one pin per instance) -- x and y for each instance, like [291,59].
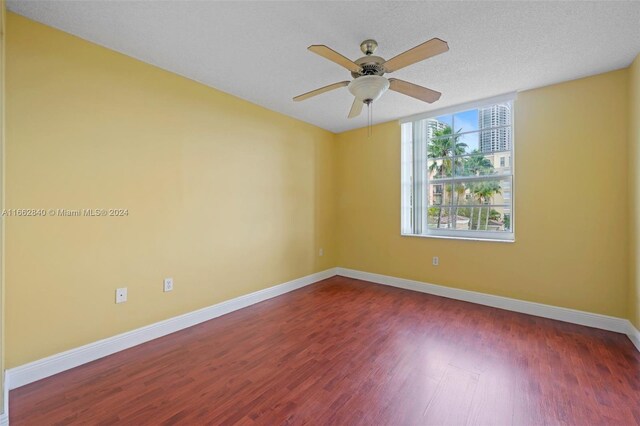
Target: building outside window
[457,172]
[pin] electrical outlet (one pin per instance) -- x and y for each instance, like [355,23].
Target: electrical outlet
[436,260]
[121,295]
[168,284]
[321,252]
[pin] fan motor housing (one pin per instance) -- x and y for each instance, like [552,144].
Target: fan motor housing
[371,65]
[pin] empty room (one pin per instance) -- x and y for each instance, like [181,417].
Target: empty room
[319,212]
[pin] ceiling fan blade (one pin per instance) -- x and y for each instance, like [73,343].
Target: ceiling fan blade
[413,90]
[423,51]
[332,55]
[320,90]
[356,108]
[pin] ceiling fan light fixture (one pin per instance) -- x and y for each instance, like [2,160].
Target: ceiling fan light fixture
[368,88]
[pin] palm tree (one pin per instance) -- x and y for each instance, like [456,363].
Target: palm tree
[442,147]
[444,144]
[483,192]
[476,165]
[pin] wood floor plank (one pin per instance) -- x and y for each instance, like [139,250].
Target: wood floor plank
[348,352]
[451,403]
[493,401]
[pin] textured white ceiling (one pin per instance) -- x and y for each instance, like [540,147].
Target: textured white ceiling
[257,50]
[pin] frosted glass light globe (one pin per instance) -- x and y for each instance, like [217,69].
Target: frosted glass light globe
[368,87]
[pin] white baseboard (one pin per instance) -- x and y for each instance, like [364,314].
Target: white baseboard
[634,335]
[28,373]
[603,322]
[4,417]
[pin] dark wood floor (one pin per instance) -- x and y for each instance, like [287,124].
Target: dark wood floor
[347,352]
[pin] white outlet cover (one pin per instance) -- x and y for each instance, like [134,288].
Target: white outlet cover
[168,284]
[121,295]
[436,261]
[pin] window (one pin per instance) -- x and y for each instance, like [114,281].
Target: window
[457,172]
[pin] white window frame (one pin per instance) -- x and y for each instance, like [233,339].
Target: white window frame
[410,184]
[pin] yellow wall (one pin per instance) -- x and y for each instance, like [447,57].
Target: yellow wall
[570,209]
[3,9]
[634,191]
[223,196]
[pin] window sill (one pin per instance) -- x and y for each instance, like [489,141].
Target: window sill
[450,237]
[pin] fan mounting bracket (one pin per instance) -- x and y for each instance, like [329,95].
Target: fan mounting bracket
[368,46]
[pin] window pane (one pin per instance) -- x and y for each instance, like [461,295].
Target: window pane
[483,192]
[434,217]
[480,218]
[440,168]
[494,115]
[471,142]
[439,126]
[478,164]
[463,218]
[443,146]
[442,217]
[446,120]
[440,144]
[440,194]
[495,140]
[495,191]
[466,121]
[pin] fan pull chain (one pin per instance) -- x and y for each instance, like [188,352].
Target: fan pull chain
[369,117]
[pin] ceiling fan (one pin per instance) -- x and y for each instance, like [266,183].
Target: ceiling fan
[368,83]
